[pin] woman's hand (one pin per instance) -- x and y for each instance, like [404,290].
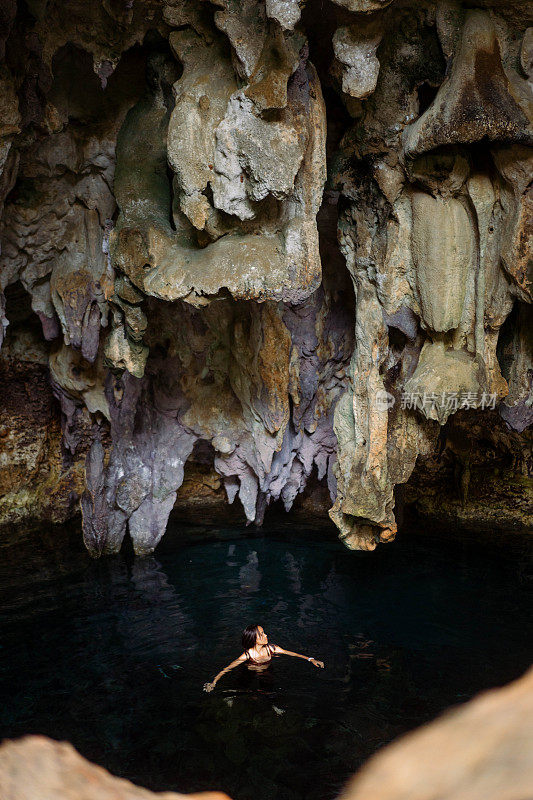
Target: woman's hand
[208,687]
[317,663]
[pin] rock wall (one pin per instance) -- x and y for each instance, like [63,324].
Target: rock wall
[270,245]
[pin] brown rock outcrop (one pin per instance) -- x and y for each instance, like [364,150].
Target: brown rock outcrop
[480,751]
[37,767]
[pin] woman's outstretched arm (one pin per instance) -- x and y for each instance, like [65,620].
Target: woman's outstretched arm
[208,687]
[280,651]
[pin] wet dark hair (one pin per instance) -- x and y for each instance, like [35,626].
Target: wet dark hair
[249,636]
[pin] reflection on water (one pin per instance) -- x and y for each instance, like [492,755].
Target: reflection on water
[249,575]
[112,655]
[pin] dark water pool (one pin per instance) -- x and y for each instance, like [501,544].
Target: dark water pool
[112,655]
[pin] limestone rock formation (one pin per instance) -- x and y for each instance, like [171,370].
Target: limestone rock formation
[480,751]
[39,767]
[206,301]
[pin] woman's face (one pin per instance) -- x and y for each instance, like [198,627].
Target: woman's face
[262,638]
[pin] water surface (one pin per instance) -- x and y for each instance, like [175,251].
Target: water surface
[112,655]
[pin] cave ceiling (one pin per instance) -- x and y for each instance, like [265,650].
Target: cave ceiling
[292,236]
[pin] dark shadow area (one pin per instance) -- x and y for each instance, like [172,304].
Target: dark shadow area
[18,306]
[77,91]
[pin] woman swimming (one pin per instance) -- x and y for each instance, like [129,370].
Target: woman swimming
[258,653]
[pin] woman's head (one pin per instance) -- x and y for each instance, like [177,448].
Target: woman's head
[252,635]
